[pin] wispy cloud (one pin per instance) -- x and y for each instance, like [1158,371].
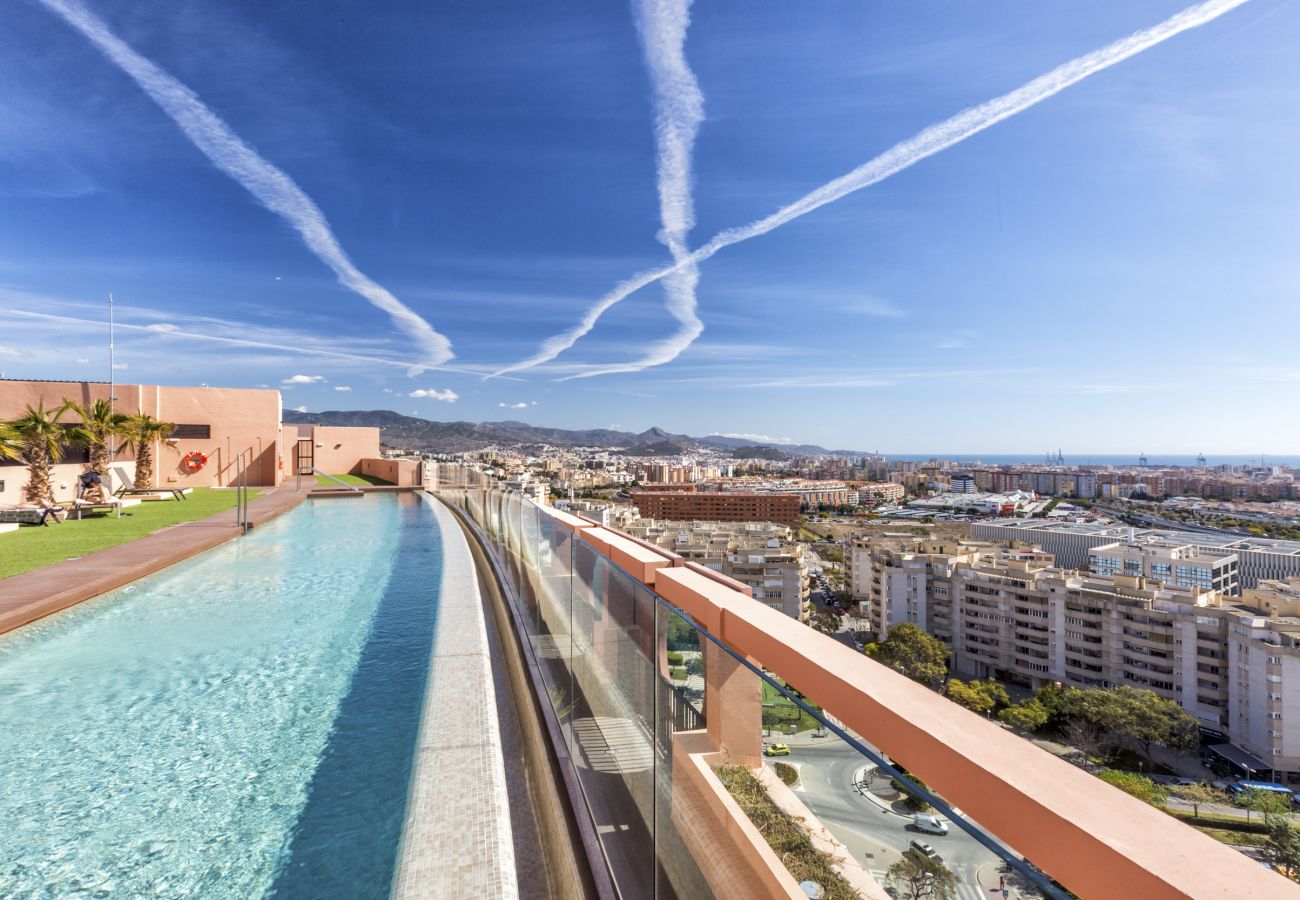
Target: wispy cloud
[10,352]
[758,438]
[926,143]
[342,387]
[272,188]
[303,379]
[306,348]
[520,405]
[447,396]
[300,409]
[162,327]
[1102,389]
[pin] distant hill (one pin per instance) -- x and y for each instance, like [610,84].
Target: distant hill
[757,451]
[459,437]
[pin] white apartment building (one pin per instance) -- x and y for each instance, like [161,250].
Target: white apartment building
[1258,559]
[1012,615]
[762,555]
[1264,669]
[1179,565]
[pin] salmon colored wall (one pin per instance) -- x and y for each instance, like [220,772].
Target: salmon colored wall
[339,451]
[404,472]
[241,420]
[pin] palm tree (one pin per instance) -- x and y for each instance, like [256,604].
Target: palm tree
[145,430]
[104,425]
[42,439]
[9,447]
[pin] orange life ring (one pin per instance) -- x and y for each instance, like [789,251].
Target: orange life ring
[195,461]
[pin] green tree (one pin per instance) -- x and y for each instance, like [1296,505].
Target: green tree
[103,425]
[1282,848]
[42,440]
[978,696]
[1027,715]
[1132,716]
[1136,785]
[826,621]
[1196,795]
[1266,803]
[10,442]
[145,431]
[917,877]
[914,653]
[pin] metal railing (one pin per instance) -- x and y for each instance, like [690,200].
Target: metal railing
[242,459]
[312,470]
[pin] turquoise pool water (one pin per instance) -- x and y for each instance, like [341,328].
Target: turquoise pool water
[239,725]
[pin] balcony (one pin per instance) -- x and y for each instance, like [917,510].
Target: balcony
[600,621]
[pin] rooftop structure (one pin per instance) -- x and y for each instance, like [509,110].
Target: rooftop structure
[1258,558]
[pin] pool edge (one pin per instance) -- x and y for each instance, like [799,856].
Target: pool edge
[456,836]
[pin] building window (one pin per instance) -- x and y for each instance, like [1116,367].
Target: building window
[193,432]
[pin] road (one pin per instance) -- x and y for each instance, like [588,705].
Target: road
[875,836]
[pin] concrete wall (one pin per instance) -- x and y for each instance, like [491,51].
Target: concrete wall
[240,421]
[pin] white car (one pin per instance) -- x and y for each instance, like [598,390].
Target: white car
[929,824]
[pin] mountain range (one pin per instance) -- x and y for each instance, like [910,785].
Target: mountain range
[412,433]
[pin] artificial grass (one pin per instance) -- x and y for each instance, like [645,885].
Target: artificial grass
[33,546]
[356,480]
[779,712]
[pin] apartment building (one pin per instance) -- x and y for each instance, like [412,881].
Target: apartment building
[885,491]
[1012,615]
[1263,661]
[719,506]
[1168,562]
[1258,559]
[762,555]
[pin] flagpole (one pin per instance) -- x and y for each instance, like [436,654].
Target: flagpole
[112,375]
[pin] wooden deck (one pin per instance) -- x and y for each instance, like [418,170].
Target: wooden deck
[31,595]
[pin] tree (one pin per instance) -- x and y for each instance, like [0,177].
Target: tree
[825,621]
[1133,716]
[978,696]
[145,430]
[1027,715]
[103,424]
[1282,848]
[42,439]
[10,446]
[1136,785]
[1195,795]
[920,878]
[914,653]
[1267,803]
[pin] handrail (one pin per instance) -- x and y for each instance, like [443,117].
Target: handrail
[1090,836]
[351,487]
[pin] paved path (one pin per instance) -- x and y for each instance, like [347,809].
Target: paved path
[32,595]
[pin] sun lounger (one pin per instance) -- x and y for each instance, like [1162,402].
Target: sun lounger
[113,503]
[31,515]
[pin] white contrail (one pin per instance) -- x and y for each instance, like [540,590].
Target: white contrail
[679,110]
[269,185]
[897,158]
[301,349]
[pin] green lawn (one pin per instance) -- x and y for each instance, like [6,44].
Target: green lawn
[779,712]
[357,480]
[32,546]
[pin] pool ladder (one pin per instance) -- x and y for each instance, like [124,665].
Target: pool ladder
[242,460]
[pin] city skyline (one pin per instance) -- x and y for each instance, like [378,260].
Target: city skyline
[470,182]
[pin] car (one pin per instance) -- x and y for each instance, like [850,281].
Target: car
[929,824]
[923,850]
[776,750]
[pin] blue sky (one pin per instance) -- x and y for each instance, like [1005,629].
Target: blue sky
[1114,269]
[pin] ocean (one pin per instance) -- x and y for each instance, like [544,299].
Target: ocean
[1156,460]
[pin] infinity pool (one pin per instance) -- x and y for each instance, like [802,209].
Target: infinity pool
[239,725]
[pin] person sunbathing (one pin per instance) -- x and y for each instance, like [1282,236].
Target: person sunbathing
[92,487]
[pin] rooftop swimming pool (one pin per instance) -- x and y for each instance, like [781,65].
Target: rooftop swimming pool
[239,725]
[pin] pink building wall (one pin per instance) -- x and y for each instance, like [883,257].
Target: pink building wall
[240,420]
